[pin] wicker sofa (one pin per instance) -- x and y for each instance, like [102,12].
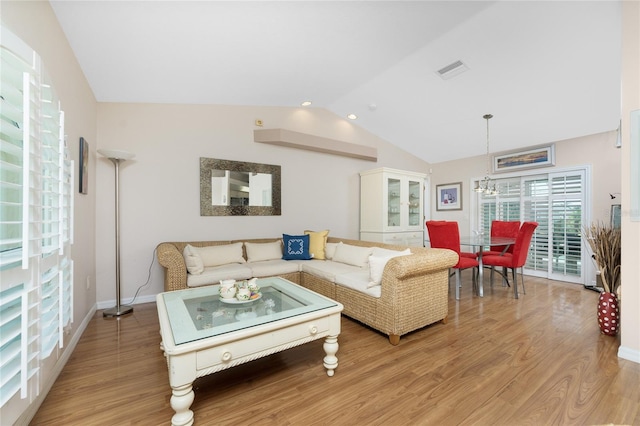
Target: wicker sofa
[413,291]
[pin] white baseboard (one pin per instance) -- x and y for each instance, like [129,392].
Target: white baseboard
[31,411]
[141,299]
[629,354]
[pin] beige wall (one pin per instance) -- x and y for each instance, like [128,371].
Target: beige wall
[160,193]
[35,23]
[630,288]
[596,151]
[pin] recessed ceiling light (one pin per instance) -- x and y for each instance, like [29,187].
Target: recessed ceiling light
[352,116]
[306,103]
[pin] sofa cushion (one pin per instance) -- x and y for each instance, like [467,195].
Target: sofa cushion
[295,247]
[317,243]
[377,264]
[327,270]
[257,252]
[272,268]
[221,255]
[358,281]
[330,250]
[352,255]
[213,274]
[193,260]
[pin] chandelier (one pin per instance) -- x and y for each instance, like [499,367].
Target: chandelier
[486,185]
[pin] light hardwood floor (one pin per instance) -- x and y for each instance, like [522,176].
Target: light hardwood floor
[538,360]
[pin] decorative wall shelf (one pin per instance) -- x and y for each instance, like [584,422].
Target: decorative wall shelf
[291,139]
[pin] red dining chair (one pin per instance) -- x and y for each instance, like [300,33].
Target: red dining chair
[514,260]
[462,253]
[502,228]
[446,235]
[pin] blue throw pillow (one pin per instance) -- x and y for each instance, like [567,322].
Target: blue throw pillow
[296,247]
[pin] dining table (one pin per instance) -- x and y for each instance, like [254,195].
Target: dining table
[477,243]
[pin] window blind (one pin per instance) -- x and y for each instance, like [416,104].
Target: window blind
[36,224]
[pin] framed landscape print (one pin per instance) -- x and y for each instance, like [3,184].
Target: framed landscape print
[537,157]
[84,167]
[449,196]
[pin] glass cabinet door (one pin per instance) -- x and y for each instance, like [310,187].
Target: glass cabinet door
[393,202]
[415,193]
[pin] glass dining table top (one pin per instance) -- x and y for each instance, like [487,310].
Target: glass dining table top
[485,240]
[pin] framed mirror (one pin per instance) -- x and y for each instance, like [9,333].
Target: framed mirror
[237,188]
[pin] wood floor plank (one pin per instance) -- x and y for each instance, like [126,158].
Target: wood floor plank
[536,360]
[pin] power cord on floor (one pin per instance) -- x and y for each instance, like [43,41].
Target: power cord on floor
[148,279]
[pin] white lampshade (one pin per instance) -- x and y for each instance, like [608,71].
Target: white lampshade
[116,154]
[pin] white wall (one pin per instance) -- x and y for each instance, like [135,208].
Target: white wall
[160,191]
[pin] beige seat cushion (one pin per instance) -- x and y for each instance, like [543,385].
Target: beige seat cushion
[273,268]
[213,274]
[327,270]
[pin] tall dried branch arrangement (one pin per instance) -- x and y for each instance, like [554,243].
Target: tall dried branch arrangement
[605,242]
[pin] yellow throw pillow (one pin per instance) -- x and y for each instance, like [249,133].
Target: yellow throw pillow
[317,242]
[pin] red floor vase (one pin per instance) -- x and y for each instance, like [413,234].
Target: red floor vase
[608,314]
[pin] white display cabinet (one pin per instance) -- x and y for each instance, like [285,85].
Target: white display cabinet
[391,206]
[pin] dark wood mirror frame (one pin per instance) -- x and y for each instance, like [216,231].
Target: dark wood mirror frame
[207,165]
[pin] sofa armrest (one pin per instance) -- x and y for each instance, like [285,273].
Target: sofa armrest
[175,277]
[422,263]
[408,278]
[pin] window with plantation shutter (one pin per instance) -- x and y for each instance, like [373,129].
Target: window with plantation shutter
[36,232]
[557,202]
[503,206]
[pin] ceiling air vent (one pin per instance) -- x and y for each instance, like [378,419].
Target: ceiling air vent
[452,70]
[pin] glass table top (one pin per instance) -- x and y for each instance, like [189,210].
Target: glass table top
[199,313]
[485,240]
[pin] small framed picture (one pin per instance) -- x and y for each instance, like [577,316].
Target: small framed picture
[449,196]
[84,167]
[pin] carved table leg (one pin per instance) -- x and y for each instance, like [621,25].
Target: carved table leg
[330,347]
[180,402]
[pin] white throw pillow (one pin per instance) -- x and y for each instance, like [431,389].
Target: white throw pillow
[384,252]
[330,250]
[352,255]
[193,260]
[377,264]
[257,252]
[221,255]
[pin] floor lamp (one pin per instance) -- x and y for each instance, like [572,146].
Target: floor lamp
[116,157]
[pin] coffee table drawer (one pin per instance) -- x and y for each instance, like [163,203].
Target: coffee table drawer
[250,347]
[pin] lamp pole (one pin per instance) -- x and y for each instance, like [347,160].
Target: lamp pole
[116,158]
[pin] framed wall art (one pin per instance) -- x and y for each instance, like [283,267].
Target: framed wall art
[449,196]
[83,174]
[538,157]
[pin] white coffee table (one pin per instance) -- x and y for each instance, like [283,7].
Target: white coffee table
[202,335]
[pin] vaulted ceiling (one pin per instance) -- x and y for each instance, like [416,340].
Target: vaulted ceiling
[546,70]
